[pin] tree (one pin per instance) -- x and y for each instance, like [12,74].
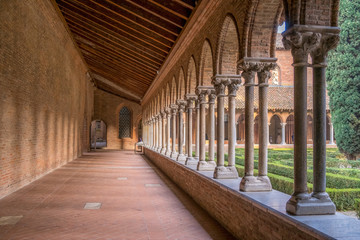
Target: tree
[343,76]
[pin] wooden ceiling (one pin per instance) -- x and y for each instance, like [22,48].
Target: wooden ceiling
[125,42]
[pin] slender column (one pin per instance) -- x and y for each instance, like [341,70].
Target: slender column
[174,154]
[331,142]
[163,131]
[181,157]
[263,77]
[197,139]
[303,40]
[233,86]
[221,172]
[328,41]
[156,136]
[211,115]
[168,119]
[283,133]
[159,132]
[190,98]
[153,144]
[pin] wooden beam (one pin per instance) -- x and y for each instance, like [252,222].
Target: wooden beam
[124,33]
[184,4]
[167,8]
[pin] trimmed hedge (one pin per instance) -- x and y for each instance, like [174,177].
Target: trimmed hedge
[357,207]
[344,199]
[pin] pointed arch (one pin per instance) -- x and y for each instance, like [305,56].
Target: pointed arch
[163,102]
[181,86]
[206,65]
[228,47]
[173,90]
[191,76]
[167,93]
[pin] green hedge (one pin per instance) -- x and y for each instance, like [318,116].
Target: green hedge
[357,207]
[344,199]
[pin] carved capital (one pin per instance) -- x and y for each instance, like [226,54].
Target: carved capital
[181,104]
[319,54]
[191,98]
[168,110]
[233,85]
[174,109]
[305,39]
[163,114]
[251,66]
[212,96]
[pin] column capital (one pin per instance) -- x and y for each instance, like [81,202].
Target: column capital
[221,81]
[163,114]
[191,98]
[181,104]
[283,124]
[305,39]
[174,109]
[233,85]
[249,66]
[212,96]
[202,92]
[167,110]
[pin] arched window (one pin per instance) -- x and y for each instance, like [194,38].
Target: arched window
[125,123]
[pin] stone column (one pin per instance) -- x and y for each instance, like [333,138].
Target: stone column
[202,92]
[283,133]
[156,133]
[328,39]
[331,142]
[211,116]
[190,98]
[303,39]
[233,86]
[181,158]
[250,66]
[163,131]
[221,172]
[173,108]
[160,132]
[263,77]
[168,119]
[197,134]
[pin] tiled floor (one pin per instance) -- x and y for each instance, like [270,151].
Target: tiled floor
[105,195]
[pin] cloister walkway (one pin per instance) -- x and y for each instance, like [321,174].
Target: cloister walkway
[135,201]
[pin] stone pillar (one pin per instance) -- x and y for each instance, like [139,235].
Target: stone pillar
[305,39]
[168,119]
[203,165]
[190,98]
[221,172]
[197,134]
[163,131]
[233,86]
[181,158]
[331,142]
[250,66]
[159,132]
[153,134]
[328,40]
[263,77]
[283,133]
[211,115]
[174,154]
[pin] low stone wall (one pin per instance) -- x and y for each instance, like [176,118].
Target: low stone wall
[239,214]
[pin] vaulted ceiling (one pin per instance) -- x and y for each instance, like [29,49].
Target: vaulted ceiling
[125,42]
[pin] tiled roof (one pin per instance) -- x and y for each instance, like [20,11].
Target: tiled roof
[279,98]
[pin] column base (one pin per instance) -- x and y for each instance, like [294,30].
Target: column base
[226,172]
[255,184]
[181,158]
[173,155]
[168,153]
[298,205]
[191,161]
[163,150]
[206,165]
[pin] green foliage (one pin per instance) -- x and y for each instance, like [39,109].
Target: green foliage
[357,207]
[343,75]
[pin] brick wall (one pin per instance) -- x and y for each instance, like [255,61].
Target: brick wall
[244,218]
[107,108]
[45,98]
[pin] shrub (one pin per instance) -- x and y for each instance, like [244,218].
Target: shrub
[357,207]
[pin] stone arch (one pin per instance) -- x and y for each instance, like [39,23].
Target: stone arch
[173,91]
[261,28]
[181,85]
[289,129]
[98,134]
[228,47]
[191,76]
[206,65]
[168,94]
[163,100]
[275,130]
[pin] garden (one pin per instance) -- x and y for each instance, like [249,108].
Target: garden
[342,175]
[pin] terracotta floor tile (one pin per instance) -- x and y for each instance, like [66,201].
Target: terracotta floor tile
[137,202]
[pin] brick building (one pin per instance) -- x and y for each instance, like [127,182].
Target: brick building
[69,69]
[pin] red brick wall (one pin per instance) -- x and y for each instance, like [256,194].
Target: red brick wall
[241,216]
[107,108]
[45,97]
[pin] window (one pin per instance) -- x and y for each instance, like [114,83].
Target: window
[125,123]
